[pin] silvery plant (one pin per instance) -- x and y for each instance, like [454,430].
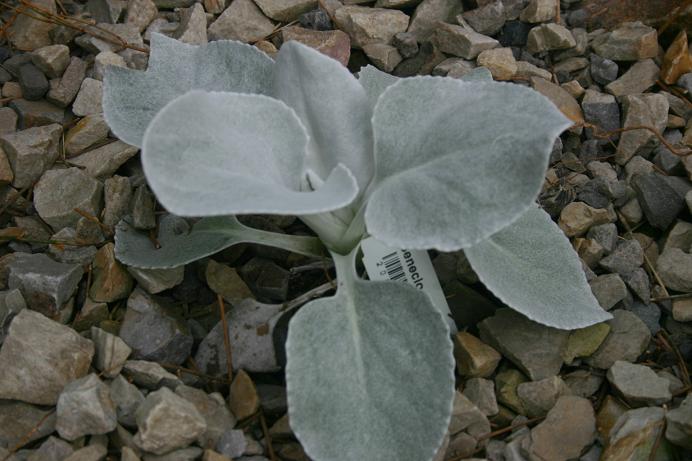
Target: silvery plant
[417,163]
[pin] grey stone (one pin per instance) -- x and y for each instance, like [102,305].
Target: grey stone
[33,82]
[8,120]
[126,398]
[52,449]
[609,289]
[315,20]
[36,113]
[104,161]
[21,423]
[106,10]
[606,235]
[567,431]
[285,10]
[482,393]
[85,408]
[645,109]
[11,302]
[487,19]
[80,253]
[458,41]
[64,91]
[638,282]
[603,70]
[499,61]
[52,59]
[538,397]
[602,110]
[454,67]
[251,351]
[534,348]
[632,41]
[167,422]
[30,152]
[143,205]
[422,63]
[627,257]
[153,333]
[638,78]
[659,201]
[140,13]
[638,166]
[243,21]
[150,375]
[467,417]
[649,313]
[181,454]
[59,192]
[633,433]
[117,194]
[46,285]
[90,130]
[157,280]
[88,100]
[538,11]
[674,266]
[638,384]
[27,33]
[685,81]
[549,37]
[105,59]
[429,13]
[111,352]
[679,236]
[583,383]
[193,26]
[679,424]
[214,410]
[95,452]
[370,25]
[127,32]
[628,339]
[232,443]
[406,43]
[39,357]
[266,278]
[384,57]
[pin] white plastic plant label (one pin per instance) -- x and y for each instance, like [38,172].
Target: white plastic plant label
[409,266]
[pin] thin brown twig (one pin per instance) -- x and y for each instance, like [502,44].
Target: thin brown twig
[226,339]
[267,437]
[662,335]
[598,133]
[680,94]
[657,442]
[651,267]
[41,14]
[671,297]
[190,371]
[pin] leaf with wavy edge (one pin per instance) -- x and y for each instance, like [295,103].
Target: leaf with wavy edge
[181,245]
[132,98]
[456,161]
[370,372]
[531,266]
[213,154]
[332,106]
[375,82]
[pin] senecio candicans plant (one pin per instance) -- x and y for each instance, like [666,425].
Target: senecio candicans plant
[417,163]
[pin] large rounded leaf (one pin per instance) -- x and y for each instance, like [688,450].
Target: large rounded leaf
[176,244]
[532,268]
[132,98]
[332,105]
[375,82]
[370,374]
[456,161]
[211,154]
